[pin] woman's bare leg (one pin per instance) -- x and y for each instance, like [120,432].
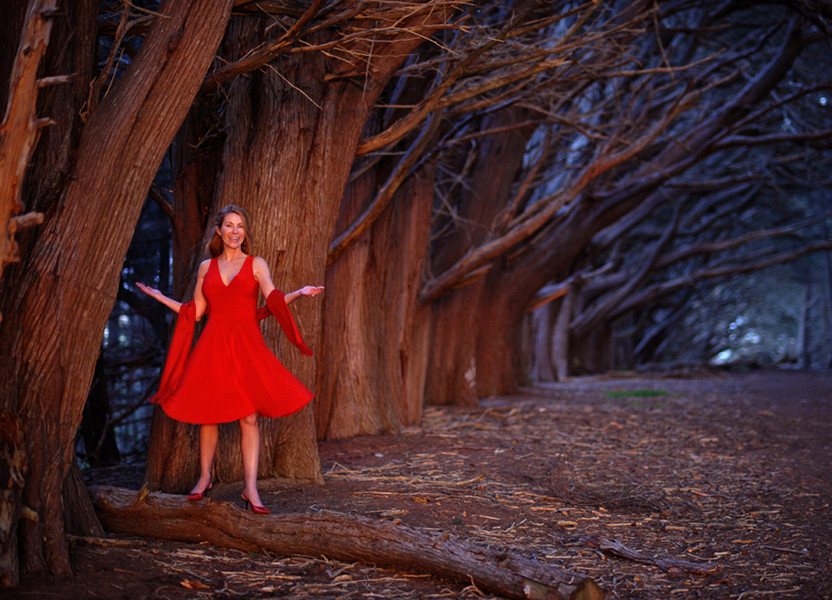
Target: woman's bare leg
[208,435]
[250,446]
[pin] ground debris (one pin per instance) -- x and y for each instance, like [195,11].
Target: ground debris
[729,470]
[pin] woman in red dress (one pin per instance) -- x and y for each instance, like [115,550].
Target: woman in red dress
[231,375]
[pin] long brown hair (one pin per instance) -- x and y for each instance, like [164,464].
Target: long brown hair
[215,246]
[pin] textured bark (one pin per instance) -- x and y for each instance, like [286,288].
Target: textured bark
[375,345]
[560,337]
[542,328]
[79,515]
[500,357]
[12,477]
[341,537]
[64,291]
[292,130]
[454,372]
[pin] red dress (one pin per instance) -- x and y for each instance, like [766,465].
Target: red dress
[231,373]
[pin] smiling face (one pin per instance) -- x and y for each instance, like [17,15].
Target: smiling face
[232,232]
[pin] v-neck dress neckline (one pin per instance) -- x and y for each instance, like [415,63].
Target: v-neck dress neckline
[240,270]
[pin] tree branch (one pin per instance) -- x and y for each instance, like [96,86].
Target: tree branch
[751,264]
[354,232]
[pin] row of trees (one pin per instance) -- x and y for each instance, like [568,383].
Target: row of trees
[442,167]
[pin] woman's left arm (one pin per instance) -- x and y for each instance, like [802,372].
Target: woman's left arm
[264,278]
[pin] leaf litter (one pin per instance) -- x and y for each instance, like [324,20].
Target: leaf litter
[715,486]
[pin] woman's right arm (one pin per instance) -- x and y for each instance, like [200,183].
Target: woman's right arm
[199,298]
[158,295]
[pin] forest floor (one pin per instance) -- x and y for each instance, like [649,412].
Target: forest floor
[705,485]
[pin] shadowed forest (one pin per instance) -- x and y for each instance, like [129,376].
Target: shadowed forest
[570,250]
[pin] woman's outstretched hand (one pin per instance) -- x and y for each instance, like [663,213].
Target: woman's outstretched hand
[158,295]
[310,290]
[152,292]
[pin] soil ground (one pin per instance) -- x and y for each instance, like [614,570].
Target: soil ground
[701,486]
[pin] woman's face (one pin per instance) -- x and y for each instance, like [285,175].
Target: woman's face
[232,232]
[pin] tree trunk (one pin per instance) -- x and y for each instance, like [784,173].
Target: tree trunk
[454,373]
[542,330]
[12,477]
[374,357]
[64,291]
[501,363]
[292,131]
[341,537]
[560,337]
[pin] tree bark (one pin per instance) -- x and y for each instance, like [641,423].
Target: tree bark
[542,334]
[560,337]
[374,346]
[453,372]
[292,130]
[341,537]
[12,478]
[65,289]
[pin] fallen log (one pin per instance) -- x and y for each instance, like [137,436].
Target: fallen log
[337,536]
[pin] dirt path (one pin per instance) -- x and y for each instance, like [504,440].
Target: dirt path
[709,486]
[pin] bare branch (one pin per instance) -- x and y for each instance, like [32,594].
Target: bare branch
[345,240]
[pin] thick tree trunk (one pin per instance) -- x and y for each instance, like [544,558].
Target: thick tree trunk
[502,365]
[374,347]
[292,133]
[560,337]
[452,370]
[542,334]
[374,358]
[454,373]
[66,288]
[341,537]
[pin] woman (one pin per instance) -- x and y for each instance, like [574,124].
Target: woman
[231,375]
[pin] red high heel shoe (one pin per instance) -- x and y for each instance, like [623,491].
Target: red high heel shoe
[260,510]
[199,495]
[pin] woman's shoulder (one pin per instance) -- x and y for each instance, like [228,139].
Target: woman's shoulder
[203,266]
[259,266]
